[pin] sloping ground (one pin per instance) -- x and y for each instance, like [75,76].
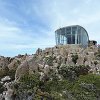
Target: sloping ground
[58,73]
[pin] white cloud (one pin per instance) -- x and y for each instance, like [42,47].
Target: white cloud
[13,37]
[32,24]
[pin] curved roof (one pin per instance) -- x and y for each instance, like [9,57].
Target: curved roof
[75,26]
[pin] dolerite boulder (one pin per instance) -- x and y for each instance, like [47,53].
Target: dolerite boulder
[29,66]
[4,62]
[14,64]
[6,78]
[9,94]
[4,66]
[22,69]
[33,66]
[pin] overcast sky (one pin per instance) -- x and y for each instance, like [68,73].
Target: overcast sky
[26,25]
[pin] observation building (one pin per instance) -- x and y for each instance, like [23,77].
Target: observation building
[72,35]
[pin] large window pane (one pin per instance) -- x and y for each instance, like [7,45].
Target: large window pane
[68,29]
[71,35]
[73,39]
[74,28]
[73,32]
[69,39]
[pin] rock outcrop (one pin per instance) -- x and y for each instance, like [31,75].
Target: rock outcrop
[51,58]
[29,66]
[45,62]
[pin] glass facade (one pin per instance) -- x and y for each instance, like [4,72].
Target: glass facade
[72,35]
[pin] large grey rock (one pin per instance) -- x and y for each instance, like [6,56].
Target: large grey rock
[22,70]
[6,78]
[42,75]
[1,97]
[39,51]
[30,98]
[4,62]
[9,94]
[69,60]
[55,65]
[14,64]
[63,52]
[29,66]
[33,66]
[80,60]
[87,63]
[56,51]
[46,69]
[49,51]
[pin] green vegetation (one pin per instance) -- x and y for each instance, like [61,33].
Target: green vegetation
[74,58]
[75,84]
[7,72]
[49,60]
[97,54]
[87,87]
[4,72]
[71,72]
[95,62]
[1,88]
[11,73]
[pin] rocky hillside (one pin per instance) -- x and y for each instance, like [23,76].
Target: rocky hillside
[59,73]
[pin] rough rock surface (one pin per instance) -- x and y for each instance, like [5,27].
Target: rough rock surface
[45,60]
[61,55]
[6,78]
[29,66]
[14,64]
[22,70]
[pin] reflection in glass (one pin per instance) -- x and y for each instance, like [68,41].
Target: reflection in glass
[72,35]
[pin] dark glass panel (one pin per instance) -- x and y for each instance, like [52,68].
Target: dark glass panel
[74,28]
[73,39]
[68,29]
[73,32]
[69,33]
[69,39]
[63,31]
[79,30]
